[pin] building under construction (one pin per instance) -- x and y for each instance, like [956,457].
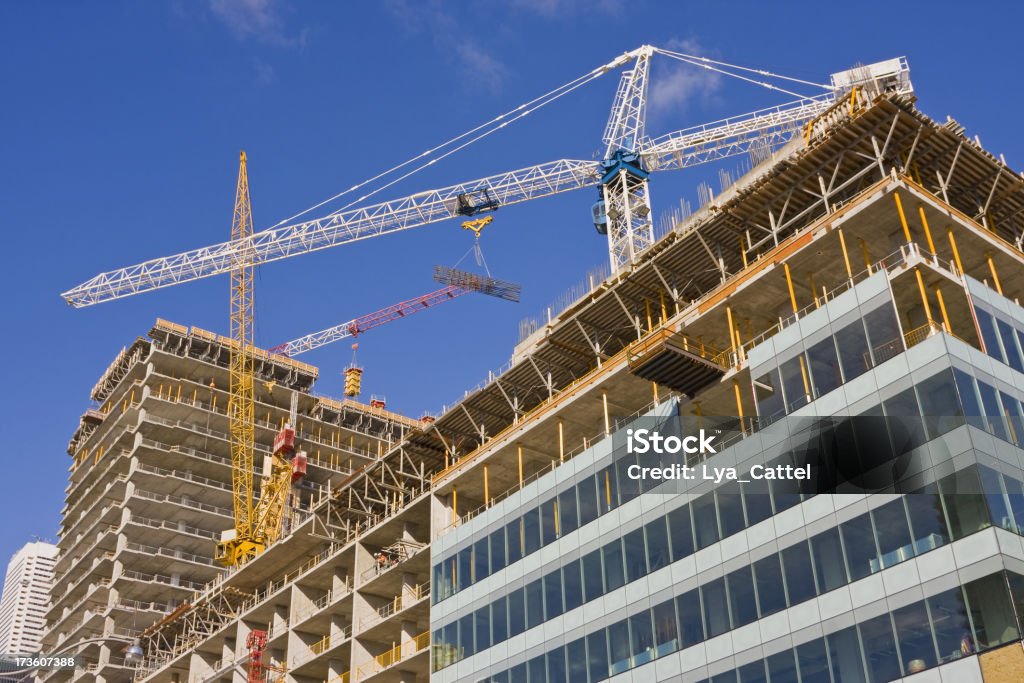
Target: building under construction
[871,266]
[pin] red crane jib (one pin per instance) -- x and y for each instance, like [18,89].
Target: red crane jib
[284,442]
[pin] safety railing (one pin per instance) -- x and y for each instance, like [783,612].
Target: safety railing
[400,602]
[395,655]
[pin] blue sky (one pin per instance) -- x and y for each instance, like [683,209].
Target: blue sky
[122,121]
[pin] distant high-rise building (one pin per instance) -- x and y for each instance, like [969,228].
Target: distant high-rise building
[25,596]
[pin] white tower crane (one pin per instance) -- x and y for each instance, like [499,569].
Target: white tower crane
[624,213]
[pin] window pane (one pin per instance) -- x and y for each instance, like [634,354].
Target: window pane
[883,333]
[965,506]
[691,626]
[517,673]
[573,585]
[813,662]
[726,677]
[988,334]
[950,625]
[464,568]
[795,383]
[939,404]
[757,500]
[497,550]
[716,607]
[641,637]
[730,508]
[556,665]
[440,583]
[553,594]
[549,522]
[597,656]
[680,532]
[514,536]
[499,620]
[537,669]
[994,420]
[618,647]
[593,580]
[586,492]
[482,619]
[481,557]
[534,604]
[796,562]
[785,492]
[666,633]
[1009,339]
[1017,594]
[451,653]
[927,523]
[705,520]
[991,484]
[828,560]
[516,613]
[854,357]
[1012,411]
[614,576]
[741,597]
[768,396]
[906,429]
[531,531]
[1015,494]
[969,398]
[844,653]
[576,654]
[824,366]
[568,521]
[859,544]
[880,649]
[893,533]
[606,489]
[753,673]
[635,554]
[656,534]
[991,611]
[771,596]
[782,667]
[914,634]
[466,636]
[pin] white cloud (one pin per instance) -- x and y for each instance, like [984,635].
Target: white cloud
[257,19]
[480,68]
[677,85]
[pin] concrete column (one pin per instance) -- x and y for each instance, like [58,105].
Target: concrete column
[280,617]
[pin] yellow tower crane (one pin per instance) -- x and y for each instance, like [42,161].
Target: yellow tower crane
[257,525]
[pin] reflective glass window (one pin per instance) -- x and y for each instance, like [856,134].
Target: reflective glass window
[553,606]
[949,623]
[880,649]
[939,404]
[573,584]
[691,625]
[537,669]
[618,647]
[656,534]
[534,604]
[782,667]
[576,658]
[482,622]
[893,533]
[845,656]
[969,398]
[466,640]
[464,568]
[927,522]
[730,508]
[824,366]
[753,672]
[859,544]
[666,632]
[742,602]
[568,519]
[991,611]
[497,548]
[854,357]
[914,636]
[1009,338]
[635,554]
[883,333]
[481,560]
[771,592]
[988,334]
[586,494]
[611,555]
[531,531]
[768,396]
[796,385]
[514,537]
[813,662]
[796,568]
[757,500]
[680,532]
[785,491]
[994,419]
[1015,494]
[992,485]
[1014,417]
[597,656]
[965,505]
[705,520]
[906,428]
[828,560]
[593,578]
[516,612]
[641,638]
[499,619]
[549,521]
[556,665]
[716,607]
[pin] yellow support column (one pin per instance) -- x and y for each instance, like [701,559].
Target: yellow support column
[942,309]
[743,252]
[867,257]
[927,231]
[487,496]
[455,507]
[995,275]
[956,252]
[903,217]
[732,329]
[814,289]
[924,295]
[789,284]
[664,312]
[647,306]
[519,455]
[654,389]
[846,254]
[739,404]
